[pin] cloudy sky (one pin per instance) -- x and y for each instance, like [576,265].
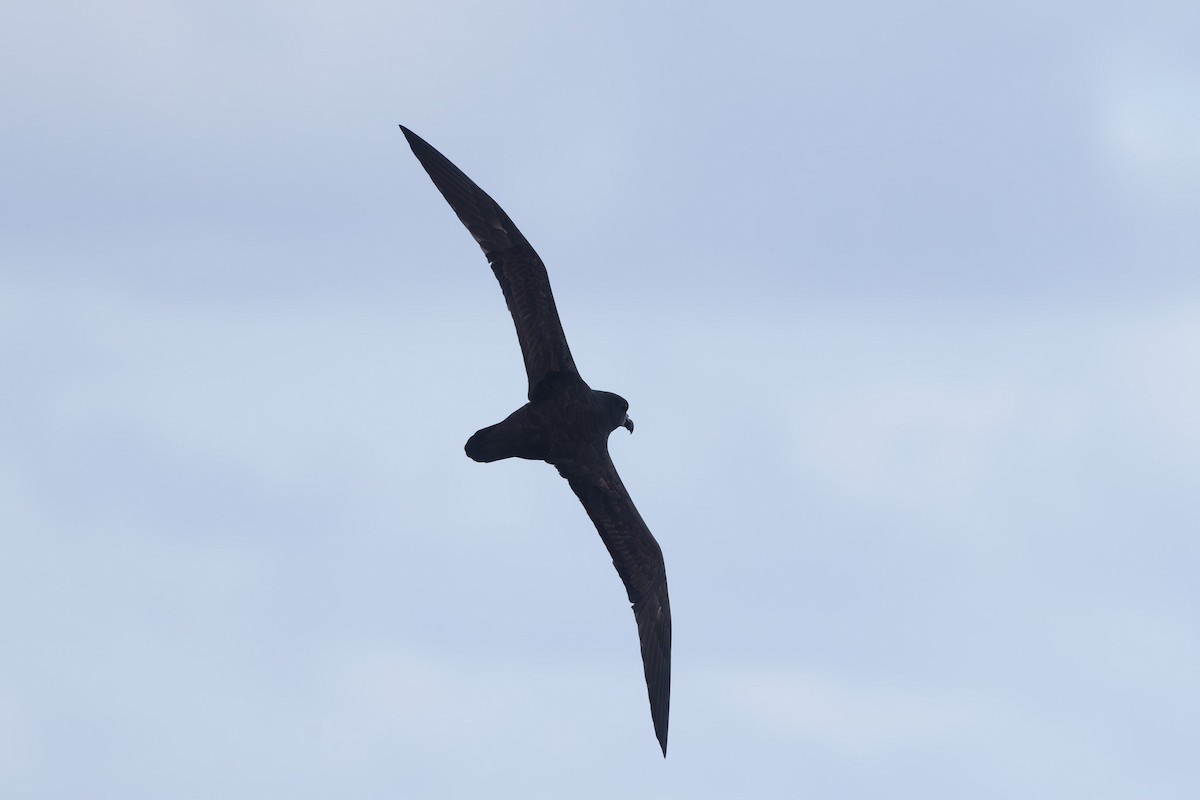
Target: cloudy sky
[904,297]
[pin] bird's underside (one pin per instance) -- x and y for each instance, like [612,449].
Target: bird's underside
[565,422]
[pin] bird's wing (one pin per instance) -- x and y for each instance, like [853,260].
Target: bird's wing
[521,273]
[639,562]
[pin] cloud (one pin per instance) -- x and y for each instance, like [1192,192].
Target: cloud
[1151,120]
[845,716]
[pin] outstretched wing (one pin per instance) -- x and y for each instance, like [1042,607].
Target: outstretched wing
[522,275]
[639,562]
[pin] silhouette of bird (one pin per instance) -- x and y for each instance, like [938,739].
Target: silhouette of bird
[566,423]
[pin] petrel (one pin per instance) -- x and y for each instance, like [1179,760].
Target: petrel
[566,423]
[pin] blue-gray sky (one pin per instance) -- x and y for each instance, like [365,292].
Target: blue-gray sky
[904,298]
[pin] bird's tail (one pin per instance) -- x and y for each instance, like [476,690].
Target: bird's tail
[515,437]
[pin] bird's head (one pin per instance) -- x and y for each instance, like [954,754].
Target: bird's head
[618,408]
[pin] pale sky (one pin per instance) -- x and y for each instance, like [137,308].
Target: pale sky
[904,298]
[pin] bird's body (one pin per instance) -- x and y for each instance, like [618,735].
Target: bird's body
[564,416]
[566,423]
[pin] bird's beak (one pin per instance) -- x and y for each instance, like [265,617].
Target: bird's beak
[628,423]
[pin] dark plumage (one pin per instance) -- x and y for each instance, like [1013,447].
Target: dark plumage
[565,422]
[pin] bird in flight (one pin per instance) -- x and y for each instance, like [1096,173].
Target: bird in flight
[566,423]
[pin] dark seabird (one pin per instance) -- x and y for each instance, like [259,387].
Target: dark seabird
[565,423]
